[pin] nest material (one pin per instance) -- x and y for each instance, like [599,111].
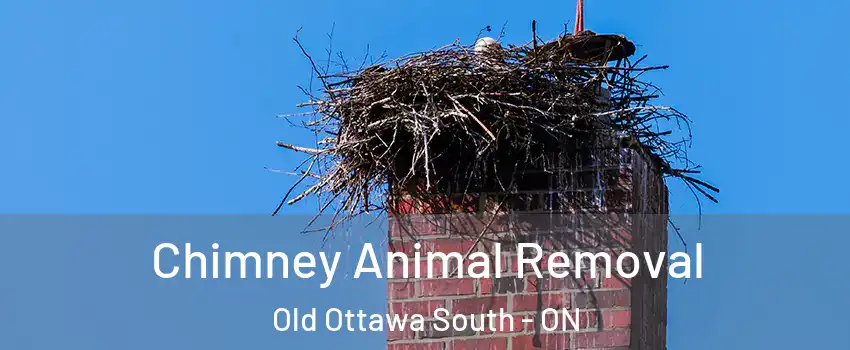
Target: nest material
[452,121]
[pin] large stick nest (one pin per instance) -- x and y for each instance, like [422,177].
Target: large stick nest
[451,120]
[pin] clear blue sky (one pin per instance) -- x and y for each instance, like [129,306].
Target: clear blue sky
[169,106]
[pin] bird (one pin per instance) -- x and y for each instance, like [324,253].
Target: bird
[485,44]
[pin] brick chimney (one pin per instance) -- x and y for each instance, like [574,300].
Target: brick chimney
[612,199]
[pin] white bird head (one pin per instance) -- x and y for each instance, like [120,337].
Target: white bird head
[486,43]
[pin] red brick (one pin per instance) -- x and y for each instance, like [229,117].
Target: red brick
[416,226]
[523,342]
[401,290]
[479,305]
[486,285]
[491,269]
[436,269]
[559,261]
[398,269]
[616,282]
[404,247]
[601,299]
[424,308]
[471,223]
[568,283]
[481,344]
[403,206]
[401,334]
[446,245]
[616,318]
[533,284]
[602,339]
[510,325]
[417,346]
[444,287]
[588,319]
[506,264]
[414,230]
[542,265]
[622,237]
[441,245]
[585,282]
[551,341]
[503,285]
[529,302]
[434,205]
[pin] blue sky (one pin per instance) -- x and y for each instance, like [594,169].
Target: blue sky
[169,106]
